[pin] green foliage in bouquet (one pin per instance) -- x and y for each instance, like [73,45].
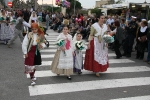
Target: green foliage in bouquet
[41,28]
[79,45]
[60,42]
[1,18]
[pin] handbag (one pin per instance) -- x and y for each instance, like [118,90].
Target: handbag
[143,38]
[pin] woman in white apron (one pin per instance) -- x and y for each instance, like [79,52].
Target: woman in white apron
[96,57]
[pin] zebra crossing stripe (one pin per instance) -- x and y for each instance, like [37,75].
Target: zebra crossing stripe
[51,50]
[111,61]
[88,85]
[48,73]
[52,55]
[135,98]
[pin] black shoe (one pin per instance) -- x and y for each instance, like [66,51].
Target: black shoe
[141,58]
[123,54]
[79,72]
[128,56]
[117,57]
[68,77]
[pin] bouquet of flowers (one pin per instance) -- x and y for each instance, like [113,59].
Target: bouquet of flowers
[108,39]
[39,40]
[41,28]
[40,18]
[13,21]
[79,45]
[61,43]
[1,18]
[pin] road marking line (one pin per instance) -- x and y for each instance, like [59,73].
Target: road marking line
[88,85]
[135,98]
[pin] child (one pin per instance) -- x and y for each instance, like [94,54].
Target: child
[32,43]
[63,59]
[78,56]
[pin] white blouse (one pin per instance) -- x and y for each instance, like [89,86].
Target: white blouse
[26,41]
[34,18]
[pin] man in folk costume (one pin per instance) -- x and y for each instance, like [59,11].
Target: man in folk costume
[96,58]
[20,23]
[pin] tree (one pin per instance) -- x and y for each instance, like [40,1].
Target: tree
[55,9]
[77,6]
[120,1]
[96,11]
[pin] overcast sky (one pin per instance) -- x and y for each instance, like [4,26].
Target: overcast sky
[89,3]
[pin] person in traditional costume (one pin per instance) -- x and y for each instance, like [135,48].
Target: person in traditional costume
[20,23]
[63,59]
[33,18]
[11,26]
[78,55]
[96,57]
[142,40]
[32,43]
[5,34]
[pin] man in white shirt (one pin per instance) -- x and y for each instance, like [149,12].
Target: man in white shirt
[110,20]
[20,23]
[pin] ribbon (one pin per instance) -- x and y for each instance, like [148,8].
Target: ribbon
[36,49]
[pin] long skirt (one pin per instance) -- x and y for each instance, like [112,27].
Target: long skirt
[54,65]
[5,32]
[34,58]
[90,64]
[78,61]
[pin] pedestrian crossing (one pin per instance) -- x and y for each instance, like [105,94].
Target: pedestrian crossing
[117,77]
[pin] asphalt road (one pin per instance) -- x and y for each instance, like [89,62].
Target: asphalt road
[126,78]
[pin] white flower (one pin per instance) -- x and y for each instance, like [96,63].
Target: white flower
[78,45]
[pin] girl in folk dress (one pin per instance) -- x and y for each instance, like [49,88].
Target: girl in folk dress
[96,57]
[32,43]
[78,56]
[63,59]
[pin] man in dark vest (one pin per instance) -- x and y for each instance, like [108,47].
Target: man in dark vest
[131,29]
[20,23]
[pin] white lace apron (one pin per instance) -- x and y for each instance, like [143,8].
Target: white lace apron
[100,50]
[66,60]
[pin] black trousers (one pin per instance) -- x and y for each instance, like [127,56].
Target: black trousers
[141,49]
[116,47]
[128,44]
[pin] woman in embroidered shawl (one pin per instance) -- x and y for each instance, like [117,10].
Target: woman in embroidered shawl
[96,57]
[32,43]
[63,59]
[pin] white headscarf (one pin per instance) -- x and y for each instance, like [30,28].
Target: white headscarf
[75,38]
[31,17]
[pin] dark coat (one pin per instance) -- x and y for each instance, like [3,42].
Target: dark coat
[120,34]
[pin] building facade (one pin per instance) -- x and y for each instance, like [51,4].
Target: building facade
[103,2]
